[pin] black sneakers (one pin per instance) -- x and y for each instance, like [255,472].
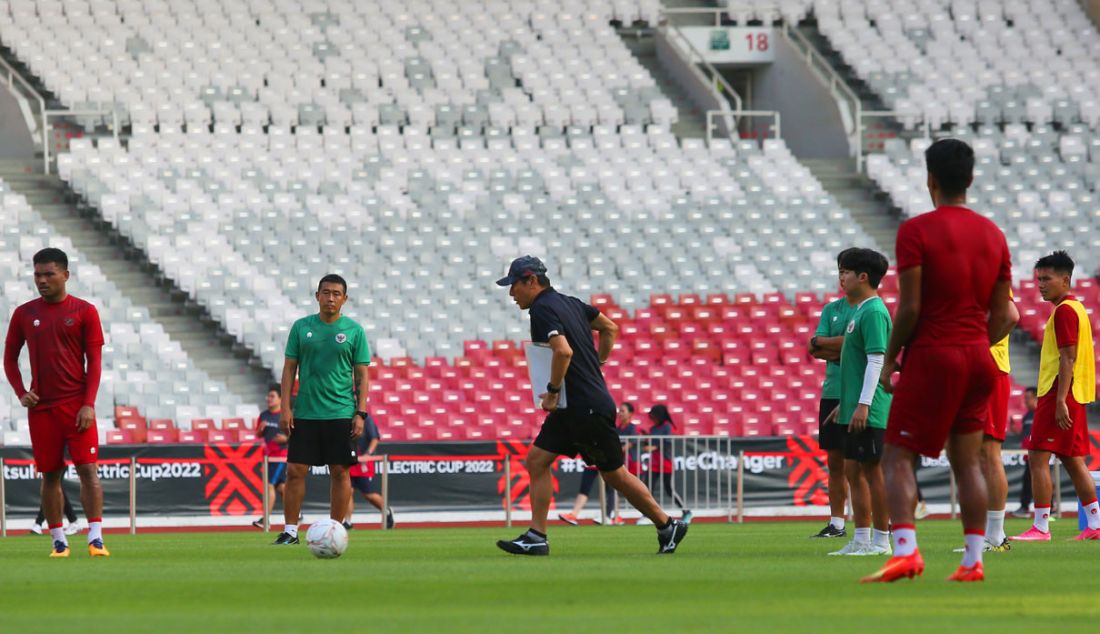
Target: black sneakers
[831,531]
[389,518]
[669,537]
[285,539]
[525,544]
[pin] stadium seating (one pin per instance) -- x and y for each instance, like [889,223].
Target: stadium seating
[159,384]
[1041,187]
[330,62]
[422,227]
[416,148]
[971,61]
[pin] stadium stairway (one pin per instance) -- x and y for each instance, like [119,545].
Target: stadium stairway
[856,192]
[877,129]
[209,346]
[692,121]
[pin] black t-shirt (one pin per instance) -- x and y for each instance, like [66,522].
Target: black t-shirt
[555,314]
[370,432]
[270,421]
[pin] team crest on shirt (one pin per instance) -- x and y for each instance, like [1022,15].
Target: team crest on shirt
[341,337]
[851,327]
[309,335]
[69,321]
[37,323]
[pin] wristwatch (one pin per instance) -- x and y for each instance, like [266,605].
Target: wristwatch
[551,388]
[362,415]
[813,341]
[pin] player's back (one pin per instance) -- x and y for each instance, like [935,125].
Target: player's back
[962,255]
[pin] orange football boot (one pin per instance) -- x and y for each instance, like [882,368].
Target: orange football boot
[973,573]
[898,567]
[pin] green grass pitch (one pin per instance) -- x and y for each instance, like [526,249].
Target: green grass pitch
[765,577]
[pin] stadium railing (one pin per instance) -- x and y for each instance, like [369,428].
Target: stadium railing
[713,480]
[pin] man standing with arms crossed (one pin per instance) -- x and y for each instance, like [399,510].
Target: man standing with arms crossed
[587,424]
[65,341]
[329,354]
[826,345]
[954,279]
[1067,382]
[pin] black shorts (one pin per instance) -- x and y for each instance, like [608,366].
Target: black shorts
[321,442]
[592,435]
[364,484]
[866,446]
[829,436]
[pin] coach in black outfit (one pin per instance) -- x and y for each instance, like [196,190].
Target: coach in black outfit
[587,424]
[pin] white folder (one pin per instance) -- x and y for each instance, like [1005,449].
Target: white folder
[539,356]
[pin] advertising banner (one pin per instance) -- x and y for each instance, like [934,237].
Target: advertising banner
[218,480]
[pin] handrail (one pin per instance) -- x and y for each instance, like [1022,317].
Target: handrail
[42,134]
[888,114]
[825,72]
[714,77]
[717,11]
[742,113]
[46,114]
[13,76]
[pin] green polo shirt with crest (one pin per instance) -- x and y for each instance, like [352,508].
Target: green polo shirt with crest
[327,355]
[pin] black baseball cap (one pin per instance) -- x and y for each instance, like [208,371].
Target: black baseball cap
[522,267]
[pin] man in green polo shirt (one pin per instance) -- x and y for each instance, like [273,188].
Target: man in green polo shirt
[329,354]
[864,404]
[825,345]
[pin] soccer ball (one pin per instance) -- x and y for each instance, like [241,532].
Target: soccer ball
[327,539]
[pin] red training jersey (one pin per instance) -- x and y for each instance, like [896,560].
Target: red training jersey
[58,337]
[962,256]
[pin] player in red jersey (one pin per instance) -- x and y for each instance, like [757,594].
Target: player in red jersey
[1067,383]
[954,277]
[65,340]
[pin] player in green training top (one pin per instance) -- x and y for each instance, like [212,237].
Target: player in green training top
[825,345]
[329,354]
[864,405]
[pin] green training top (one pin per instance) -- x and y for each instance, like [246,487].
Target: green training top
[326,354]
[868,332]
[834,317]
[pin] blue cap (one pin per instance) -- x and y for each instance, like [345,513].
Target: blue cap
[522,267]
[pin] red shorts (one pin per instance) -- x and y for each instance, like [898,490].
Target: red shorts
[942,390]
[54,429]
[997,424]
[1046,435]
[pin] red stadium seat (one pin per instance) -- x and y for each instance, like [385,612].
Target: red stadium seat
[135,426]
[221,436]
[203,424]
[163,436]
[193,436]
[161,423]
[474,433]
[122,411]
[233,424]
[119,437]
[126,422]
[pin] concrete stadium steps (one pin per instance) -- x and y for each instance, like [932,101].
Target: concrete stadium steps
[692,123]
[856,192]
[210,348]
